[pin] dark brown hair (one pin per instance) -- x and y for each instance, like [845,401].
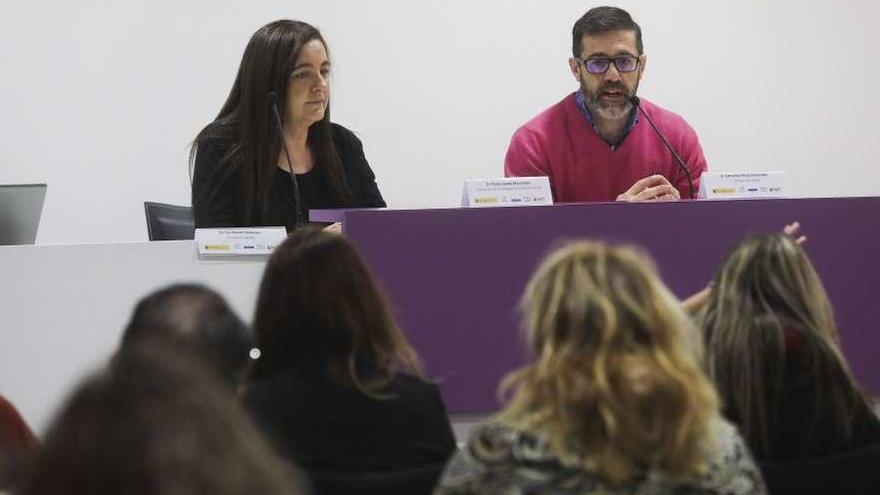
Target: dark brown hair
[319,308]
[600,20]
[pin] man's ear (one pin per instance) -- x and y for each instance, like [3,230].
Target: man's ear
[575,69]
[643,62]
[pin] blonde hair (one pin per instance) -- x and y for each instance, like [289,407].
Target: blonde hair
[615,384]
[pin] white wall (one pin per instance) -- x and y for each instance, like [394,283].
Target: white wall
[100,99]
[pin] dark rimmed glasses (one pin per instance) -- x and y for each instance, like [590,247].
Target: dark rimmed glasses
[600,65]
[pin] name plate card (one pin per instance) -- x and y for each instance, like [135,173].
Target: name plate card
[743,185]
[233,241]
[507,191]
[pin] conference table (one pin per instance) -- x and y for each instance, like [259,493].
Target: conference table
[452,275]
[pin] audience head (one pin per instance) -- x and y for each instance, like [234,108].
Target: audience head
[320,309]
[615,378]
[155,423]
[768,302]
[196,319]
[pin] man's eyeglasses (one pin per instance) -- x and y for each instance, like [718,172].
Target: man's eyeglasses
[600,65]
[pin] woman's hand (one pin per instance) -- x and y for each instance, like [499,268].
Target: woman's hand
[334,228]
[696,302]
[793,230]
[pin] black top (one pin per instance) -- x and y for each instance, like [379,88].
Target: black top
[805,426]
[215,206]
[809,455]
[329,426]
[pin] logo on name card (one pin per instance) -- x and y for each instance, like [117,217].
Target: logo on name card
[507,191]
[239,242]
[744,185]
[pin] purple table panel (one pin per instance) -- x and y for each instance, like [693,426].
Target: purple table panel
[454,276]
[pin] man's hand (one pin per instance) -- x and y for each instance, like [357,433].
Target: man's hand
[653,188]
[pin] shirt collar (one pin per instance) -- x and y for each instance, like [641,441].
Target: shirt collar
[633,119]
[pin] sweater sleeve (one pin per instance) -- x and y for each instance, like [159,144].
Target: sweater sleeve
[213,191]
[460,477]
[488,464]
[733,470]
[525,156]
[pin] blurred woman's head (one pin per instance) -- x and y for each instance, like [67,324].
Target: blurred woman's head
[767,307]
[195,319]
[320,309]
[156,422]
[615,380]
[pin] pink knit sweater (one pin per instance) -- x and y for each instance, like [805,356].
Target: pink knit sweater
[562,145]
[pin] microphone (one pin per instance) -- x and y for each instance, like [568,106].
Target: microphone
[681,164]
[273,100]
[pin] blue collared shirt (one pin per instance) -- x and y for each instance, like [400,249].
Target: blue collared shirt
[633,120]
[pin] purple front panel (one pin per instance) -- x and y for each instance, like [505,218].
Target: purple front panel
[454,276]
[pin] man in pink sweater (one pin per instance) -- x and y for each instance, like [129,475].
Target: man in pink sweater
[597,144]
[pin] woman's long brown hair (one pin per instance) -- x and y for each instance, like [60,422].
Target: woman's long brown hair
[320,309]
[766,288]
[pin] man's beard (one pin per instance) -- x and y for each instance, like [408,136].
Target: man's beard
[609,110]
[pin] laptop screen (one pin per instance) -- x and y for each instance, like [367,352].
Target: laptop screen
[20,208]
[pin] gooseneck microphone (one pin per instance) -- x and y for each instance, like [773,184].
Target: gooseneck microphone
[681,164]
[273,100]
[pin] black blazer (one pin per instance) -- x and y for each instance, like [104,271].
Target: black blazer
[323,425]
[215,191]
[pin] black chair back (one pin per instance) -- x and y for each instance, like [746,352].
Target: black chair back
[168,222]
[411,481]
[850,473]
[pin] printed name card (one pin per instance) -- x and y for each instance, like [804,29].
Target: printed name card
[507,191]
[743,185]
[239,241]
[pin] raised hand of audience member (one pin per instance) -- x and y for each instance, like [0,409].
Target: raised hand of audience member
[334,228]
[793,230]
[694,303]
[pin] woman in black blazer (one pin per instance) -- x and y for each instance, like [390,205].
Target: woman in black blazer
[337,386]
[274,136]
